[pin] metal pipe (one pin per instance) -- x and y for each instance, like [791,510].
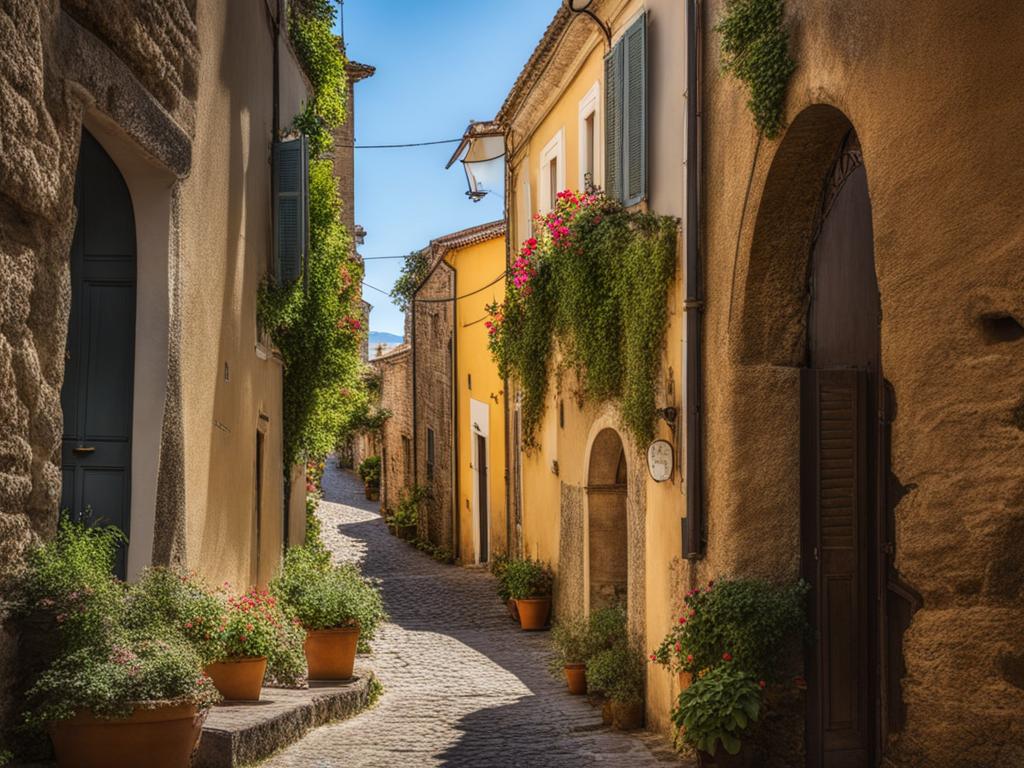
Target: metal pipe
[694,532]
[454,374]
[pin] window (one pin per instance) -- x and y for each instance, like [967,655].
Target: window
[406,460]
[430,454]
[291,209]
[551,173]
[625,110]
[589,131]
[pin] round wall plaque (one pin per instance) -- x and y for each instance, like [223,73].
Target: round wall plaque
[660,460]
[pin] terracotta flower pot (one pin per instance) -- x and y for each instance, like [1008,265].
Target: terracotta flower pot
[513,609]
[372,492]
[407,532]
[627,716]
[163,737]
[722,759]
[576,677]
[533,612]
[238,679]
[331,653]
[685,680]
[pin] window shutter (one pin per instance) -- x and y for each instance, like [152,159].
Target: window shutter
[291,209]
[634,113]
[613,122]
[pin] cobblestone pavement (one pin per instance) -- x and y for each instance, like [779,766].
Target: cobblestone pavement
[463,686]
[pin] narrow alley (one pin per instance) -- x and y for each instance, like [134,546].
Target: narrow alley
[463,685]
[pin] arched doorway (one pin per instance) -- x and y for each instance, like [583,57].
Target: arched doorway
[841,508]
[97,393]
[606,521]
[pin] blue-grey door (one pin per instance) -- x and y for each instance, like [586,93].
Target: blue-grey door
[98,376]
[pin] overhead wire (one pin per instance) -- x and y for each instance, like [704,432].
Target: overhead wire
[448,298]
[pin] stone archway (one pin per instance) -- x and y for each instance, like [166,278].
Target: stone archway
[607,527]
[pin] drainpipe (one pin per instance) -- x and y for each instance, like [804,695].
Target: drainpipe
[693,304]
[275,122]
[509,234]
[455,414]
[415,426]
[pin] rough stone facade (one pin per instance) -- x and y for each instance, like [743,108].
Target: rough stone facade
[395,371]
[433,327]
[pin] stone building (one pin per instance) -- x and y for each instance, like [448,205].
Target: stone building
[395,371]
[135,229]
[853,411]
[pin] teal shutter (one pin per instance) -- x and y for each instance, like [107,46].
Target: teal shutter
[291,209]
[634,109]
[613,122]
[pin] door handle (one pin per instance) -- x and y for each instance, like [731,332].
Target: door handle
[82,450]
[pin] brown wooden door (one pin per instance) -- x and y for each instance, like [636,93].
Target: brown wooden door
[839,467]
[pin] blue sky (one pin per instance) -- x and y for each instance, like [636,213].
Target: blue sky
[440,64]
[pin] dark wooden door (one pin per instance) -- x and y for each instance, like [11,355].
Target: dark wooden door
[481,474]
[839,463]
[96,396]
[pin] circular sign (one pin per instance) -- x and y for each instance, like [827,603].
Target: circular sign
[660,460]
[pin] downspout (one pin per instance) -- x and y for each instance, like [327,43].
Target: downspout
[275,123]
[693,304]
[509,193]
[415,427]
[455,414]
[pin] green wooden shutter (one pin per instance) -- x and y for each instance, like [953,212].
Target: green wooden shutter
[613,122]
[634,113]
[291,209]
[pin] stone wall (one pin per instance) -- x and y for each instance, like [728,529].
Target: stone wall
[432,347]
[395,370]
[42,99]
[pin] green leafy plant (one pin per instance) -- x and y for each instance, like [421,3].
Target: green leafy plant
[528,578]
[571,642]
[607,626]
[440,554]
[755,50]
[617,673]
[414,271]
[111,680]
[369,470]
[497,567]
[311,29]
[408,510]
[746,621]
[592,284]
[719,706]
[326,596]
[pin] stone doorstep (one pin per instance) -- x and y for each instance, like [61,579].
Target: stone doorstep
[243,733]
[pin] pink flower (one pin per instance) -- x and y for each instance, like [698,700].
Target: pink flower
[679,647]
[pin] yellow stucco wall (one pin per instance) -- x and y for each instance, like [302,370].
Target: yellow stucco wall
[476,266]
[655,509]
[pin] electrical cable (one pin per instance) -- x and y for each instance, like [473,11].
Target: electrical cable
[441,301]
[400,146]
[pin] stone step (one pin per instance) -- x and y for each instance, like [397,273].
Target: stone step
[244,733]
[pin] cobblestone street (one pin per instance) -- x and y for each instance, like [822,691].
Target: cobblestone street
[463,686]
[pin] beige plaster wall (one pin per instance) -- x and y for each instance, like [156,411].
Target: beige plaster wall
[927,88]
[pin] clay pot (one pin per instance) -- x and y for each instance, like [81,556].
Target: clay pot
[407,532]
[372,492]
[513,609]
[722,759]
[238,679]
[331,653]
[685,680]
[533,612]
[627,716]
[576,677]
[163,737]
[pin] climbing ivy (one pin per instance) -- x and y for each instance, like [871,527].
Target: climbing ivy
[319,327]
[414,271]
[755,50]
[594,283]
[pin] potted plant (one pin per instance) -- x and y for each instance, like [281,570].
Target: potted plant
[407,516]
[498,566]
[114,690]
[617,673]
[529,583]
[339,609]
[369,472]
[572,646]
[717,711]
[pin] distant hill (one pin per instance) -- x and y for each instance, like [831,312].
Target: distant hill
[381,337]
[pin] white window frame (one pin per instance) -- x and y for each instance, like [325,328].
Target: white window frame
[553,150]
[590,104]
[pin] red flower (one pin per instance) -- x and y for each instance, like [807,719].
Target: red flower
[679,647]
[682,619]
[762,684]
[689,658]
[726,656]
[653,658]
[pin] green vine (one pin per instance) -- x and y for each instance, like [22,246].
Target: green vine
[414,271]
[595,283]
[755,50]
[319,327]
